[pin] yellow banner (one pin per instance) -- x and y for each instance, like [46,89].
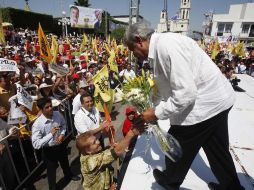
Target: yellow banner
[216,50]
[44,46]
[54,48]
[103,93]
[111,62]
[239,49]
[2,38]
[84,41]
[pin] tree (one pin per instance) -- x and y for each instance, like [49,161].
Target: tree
[118,34]
[82,3]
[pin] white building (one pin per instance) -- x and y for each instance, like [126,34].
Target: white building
[125,18]
[239,22]
[179,23]
[162,26]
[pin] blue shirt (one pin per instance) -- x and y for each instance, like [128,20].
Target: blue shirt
[41,130]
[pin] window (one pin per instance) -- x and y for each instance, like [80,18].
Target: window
[224,27]
[251,31]
[228,28]
[221,27]
[245,28]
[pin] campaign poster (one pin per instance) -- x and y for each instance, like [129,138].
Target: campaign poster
[83,17]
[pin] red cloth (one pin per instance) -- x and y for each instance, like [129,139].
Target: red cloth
[126,126]
[84,65]
[75,76]
[66,47]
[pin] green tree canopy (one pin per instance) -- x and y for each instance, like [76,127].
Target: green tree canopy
[82,3]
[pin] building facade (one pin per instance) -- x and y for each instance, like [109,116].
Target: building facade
[239,22]
[178,23]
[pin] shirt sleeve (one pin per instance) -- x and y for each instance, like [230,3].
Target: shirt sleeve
[75,105]
[176,66]
[38,140]
[62,124]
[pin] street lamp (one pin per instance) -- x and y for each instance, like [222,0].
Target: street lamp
[64,21]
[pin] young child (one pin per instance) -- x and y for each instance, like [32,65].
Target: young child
[128,122]
[96,163]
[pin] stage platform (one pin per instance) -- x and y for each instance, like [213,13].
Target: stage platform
[137,172]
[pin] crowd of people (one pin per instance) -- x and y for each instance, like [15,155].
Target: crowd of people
[44,128]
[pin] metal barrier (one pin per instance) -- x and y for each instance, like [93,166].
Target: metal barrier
[28,168]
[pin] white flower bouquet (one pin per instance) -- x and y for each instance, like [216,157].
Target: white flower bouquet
[138,92]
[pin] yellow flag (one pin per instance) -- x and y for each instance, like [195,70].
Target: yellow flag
[102,93]
[2,38]
[44,46]
[107,48]
[111,62]
[115,46]
[239,50]
[109,39]
[230,47]
[84,41]
[54,48]
[215,50]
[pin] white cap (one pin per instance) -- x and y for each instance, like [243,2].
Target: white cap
[83,84]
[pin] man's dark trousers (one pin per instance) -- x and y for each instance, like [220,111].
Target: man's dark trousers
[212,136]
[51,157]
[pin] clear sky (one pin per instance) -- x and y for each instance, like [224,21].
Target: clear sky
[149,9]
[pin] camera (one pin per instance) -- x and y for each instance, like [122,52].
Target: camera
[235,81]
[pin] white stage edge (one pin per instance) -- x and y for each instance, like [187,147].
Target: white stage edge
[241,132]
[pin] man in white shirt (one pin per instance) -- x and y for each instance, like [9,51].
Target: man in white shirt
[128,72]
[195,96]
[76,103]
[48,133]
[88,117]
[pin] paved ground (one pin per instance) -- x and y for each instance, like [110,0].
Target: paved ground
[118,117]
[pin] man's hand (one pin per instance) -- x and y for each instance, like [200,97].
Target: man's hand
[138,126]
[105,125]
[54,130]
[113,186]
[60,139]
[149,115]
[14,131]
[2,147]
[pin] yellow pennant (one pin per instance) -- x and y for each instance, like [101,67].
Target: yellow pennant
[54,48]
[111,62]
[44,46]
[2,38]
[84,41]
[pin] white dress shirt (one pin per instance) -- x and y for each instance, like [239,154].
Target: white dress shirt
[86,121]
[41,130]
[191,87]
[76,104]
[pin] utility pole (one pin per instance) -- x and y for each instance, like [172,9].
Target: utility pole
[133,12]
[137,12]
[166,10]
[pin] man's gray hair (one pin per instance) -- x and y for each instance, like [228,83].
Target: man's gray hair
[140,29]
